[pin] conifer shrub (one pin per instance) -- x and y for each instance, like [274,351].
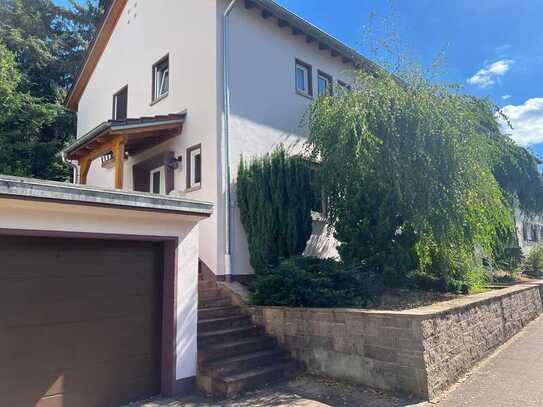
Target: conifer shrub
[275,196]
[314,283]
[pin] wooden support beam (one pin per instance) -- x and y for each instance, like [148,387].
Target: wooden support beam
[296,31]
[249,4]
[334,53]
[323,46]
[282,23]
[346,60]
[266,14]
[118,156]
[309,39]
[84,167]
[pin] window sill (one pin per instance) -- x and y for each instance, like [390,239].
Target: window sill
[193,189]
[305,95]
[154,102]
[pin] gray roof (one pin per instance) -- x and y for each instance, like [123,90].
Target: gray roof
[298,25]
[59,192]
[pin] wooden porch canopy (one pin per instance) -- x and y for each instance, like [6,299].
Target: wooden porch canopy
[115,137]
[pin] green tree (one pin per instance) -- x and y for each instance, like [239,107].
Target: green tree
[47,43]
[419,178]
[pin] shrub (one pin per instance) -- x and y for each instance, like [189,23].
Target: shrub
[313,283]
[532,265]
[275,197]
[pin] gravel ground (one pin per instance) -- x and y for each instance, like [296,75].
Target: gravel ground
[303,391]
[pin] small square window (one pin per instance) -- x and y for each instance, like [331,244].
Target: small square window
[303,79]
[194,169]
[324,84]
[161,78]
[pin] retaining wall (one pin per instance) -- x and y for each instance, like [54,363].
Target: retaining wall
[421,351]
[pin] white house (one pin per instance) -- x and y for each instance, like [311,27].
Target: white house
[182,89]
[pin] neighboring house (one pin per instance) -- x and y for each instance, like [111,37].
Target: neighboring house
[153,111]
[529,231]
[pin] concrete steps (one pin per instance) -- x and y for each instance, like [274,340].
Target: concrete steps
[234,355]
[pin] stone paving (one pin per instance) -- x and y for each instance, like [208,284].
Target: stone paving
[304,391]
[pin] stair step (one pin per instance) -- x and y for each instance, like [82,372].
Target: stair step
[215,324]
[209,293]
[246,362]
[218,312]
[231,334]
[204,303]
[235,348]
[206,284]
[233,385]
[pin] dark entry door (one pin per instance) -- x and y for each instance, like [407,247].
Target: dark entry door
[80,322]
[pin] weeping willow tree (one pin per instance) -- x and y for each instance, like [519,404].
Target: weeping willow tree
[275,196]
[419,179]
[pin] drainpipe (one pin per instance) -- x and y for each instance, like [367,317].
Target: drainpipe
[226,135]
[75,168]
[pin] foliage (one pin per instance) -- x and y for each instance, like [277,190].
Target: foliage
[532,265]
[418,178]
[44,43]
[275,198]
[310,282]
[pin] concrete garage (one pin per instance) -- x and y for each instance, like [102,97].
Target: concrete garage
[98,294]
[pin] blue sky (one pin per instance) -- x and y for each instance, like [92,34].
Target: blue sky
[493,47]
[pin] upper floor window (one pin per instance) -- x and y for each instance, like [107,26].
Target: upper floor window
[324,84]
[304,82]
[120,104]
[194,167]
[343,87]
[161,78]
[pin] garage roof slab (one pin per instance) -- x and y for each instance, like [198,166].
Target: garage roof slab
[39,190]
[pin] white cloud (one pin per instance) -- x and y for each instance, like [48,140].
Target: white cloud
[487,76]
[503,47]
[505,97]
[527,122]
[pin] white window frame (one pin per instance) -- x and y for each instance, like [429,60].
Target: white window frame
[161,70]
[193,153]
[326,78]
[306,69]
[162,187]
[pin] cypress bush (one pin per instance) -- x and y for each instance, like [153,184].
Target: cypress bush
[275,197]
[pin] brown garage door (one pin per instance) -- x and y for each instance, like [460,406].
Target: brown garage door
[80,321]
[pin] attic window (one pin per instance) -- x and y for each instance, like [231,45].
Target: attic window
[161,78]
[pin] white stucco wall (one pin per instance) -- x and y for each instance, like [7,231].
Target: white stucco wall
[147,31]
[26,215]
[266,109]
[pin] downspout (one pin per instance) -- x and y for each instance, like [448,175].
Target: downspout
[75,168]
[226,136]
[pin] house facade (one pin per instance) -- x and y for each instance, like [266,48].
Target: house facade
[181,90]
